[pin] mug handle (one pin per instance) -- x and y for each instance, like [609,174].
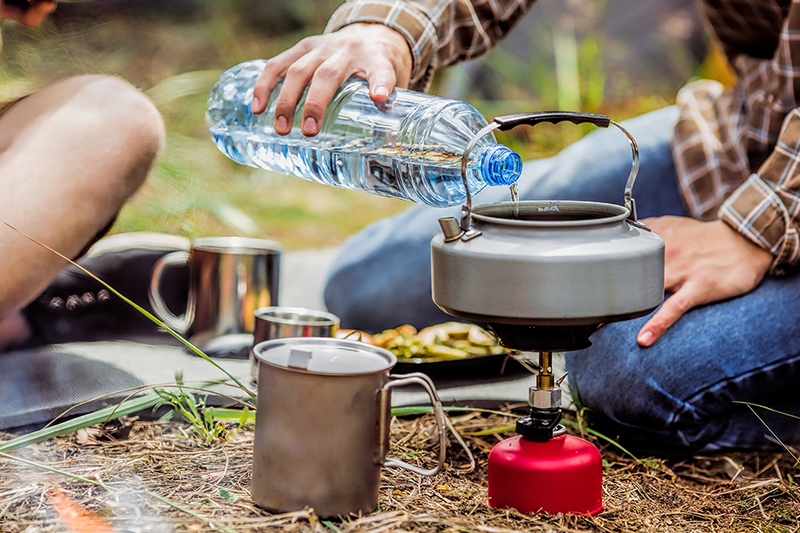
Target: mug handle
[160,309]
[416,378]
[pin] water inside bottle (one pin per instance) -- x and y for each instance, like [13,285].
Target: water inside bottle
[429,177]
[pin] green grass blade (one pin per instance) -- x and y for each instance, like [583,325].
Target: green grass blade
[785,447]
[422,409]
[603,437]
[240,416]
[492,431]
[235,415]
[410,411]
[751,405]
[132,405]
[330,525]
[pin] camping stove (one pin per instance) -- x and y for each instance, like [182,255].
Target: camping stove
[544,275]
[543,468]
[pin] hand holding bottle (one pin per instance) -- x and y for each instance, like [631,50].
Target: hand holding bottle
[409,146]
[323,62]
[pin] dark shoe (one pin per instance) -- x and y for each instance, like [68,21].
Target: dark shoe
[76,307]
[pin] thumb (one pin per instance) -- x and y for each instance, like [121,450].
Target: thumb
[381,84]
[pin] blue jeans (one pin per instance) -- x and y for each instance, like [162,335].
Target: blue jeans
[677,396]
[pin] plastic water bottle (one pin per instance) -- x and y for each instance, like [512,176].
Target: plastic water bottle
[409,147]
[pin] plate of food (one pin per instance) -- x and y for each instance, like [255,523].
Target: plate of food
[452,350]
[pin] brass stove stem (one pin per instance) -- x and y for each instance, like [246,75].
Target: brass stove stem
[541,424]
[545,380]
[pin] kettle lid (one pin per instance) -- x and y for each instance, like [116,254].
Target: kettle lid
[325,355]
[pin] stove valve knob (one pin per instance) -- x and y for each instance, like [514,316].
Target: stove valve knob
[544,398]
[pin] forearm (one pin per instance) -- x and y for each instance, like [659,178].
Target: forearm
[438,32]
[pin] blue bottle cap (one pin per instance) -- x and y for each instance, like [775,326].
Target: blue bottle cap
[500,165]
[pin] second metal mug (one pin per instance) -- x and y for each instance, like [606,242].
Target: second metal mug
[284,322]
[229,278]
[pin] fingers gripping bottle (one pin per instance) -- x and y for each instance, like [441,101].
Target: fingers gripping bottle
[409,147]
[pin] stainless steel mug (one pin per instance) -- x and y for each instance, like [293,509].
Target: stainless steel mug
[322,429]
[285,322]
[229,278]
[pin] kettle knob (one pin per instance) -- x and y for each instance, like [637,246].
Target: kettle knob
[450,228]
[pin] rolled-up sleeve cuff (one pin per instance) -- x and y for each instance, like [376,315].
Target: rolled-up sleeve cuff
[414,25]
[757,211]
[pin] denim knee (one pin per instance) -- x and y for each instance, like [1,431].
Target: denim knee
[689,392]
[636,402]
[381,278]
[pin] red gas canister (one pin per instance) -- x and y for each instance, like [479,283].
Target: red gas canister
[561,475]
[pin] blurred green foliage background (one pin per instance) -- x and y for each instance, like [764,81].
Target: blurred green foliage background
[174,50]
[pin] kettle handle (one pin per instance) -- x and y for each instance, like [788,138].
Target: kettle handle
[507,122]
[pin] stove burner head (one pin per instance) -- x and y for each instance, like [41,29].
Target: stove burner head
[544,338]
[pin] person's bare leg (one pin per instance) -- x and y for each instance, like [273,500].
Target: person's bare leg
[70,155]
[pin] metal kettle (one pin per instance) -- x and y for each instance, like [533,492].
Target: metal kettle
[545,274]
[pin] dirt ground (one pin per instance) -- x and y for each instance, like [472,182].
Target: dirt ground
[136,476]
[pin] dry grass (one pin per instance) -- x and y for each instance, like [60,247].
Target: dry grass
[731,493]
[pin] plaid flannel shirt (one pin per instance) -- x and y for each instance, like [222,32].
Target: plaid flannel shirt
[737,152]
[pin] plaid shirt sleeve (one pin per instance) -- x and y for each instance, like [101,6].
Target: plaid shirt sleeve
[439,32]
[766,207]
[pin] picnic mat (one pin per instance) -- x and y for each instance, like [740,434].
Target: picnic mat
[38,384]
